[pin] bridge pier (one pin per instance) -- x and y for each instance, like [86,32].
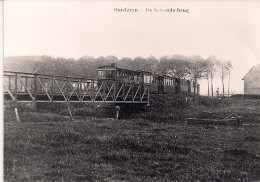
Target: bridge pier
[129,109]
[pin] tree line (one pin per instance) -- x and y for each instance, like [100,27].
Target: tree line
[193,68]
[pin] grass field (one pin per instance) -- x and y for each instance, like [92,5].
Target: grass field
[50,147]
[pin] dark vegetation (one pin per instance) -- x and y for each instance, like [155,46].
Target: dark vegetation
[172,107]
[245,96]
[193,68]
[154,145]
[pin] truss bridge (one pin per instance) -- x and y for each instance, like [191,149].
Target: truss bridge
[30,87]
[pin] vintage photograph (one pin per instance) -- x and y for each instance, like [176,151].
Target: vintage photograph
[131,90]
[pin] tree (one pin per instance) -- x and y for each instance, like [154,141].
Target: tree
[211,68]
[87,66]
[229,67]
[112,59]
[207,72]
[163,65]
[196,69]
[125,63]
[175,66]
[223,71]
[153,63]
[140,63]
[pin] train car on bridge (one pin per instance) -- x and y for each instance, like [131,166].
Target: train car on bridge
[157,83]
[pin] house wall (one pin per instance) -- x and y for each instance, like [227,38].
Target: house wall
[252,81]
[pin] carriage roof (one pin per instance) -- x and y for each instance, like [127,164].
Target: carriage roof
[117,68]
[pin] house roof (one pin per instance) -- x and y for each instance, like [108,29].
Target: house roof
[257,65]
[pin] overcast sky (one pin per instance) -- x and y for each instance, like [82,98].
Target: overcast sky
[229,30]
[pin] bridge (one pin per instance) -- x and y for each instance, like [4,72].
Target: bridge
[32,87]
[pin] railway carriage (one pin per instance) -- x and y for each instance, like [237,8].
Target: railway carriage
[184,85]
[124,82]
[114,73]
[168,84]
[150,79]
[157,83]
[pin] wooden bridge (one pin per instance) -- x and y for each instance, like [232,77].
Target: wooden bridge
[24,87]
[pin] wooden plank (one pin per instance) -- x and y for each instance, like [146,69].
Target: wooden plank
[17,115]
[212,121]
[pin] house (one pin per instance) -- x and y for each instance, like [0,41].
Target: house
[252,81]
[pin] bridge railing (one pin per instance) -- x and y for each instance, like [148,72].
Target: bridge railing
[19,86]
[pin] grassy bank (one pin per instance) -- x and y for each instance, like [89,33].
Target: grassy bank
[172,108]
[156,145]
[131,150]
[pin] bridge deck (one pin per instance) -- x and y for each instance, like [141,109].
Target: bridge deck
[24,87]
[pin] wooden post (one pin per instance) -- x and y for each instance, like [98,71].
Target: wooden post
[17,115]
[117,108]
[71,117]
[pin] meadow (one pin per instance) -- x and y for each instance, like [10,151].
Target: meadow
[48,146]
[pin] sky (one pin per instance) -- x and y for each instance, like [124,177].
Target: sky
[230,30]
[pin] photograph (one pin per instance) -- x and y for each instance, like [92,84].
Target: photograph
[127,90]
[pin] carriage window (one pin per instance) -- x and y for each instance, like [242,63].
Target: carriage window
[147,79]
[152,81]
[132,77]
[101,74]
[109,74]
[106,74]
